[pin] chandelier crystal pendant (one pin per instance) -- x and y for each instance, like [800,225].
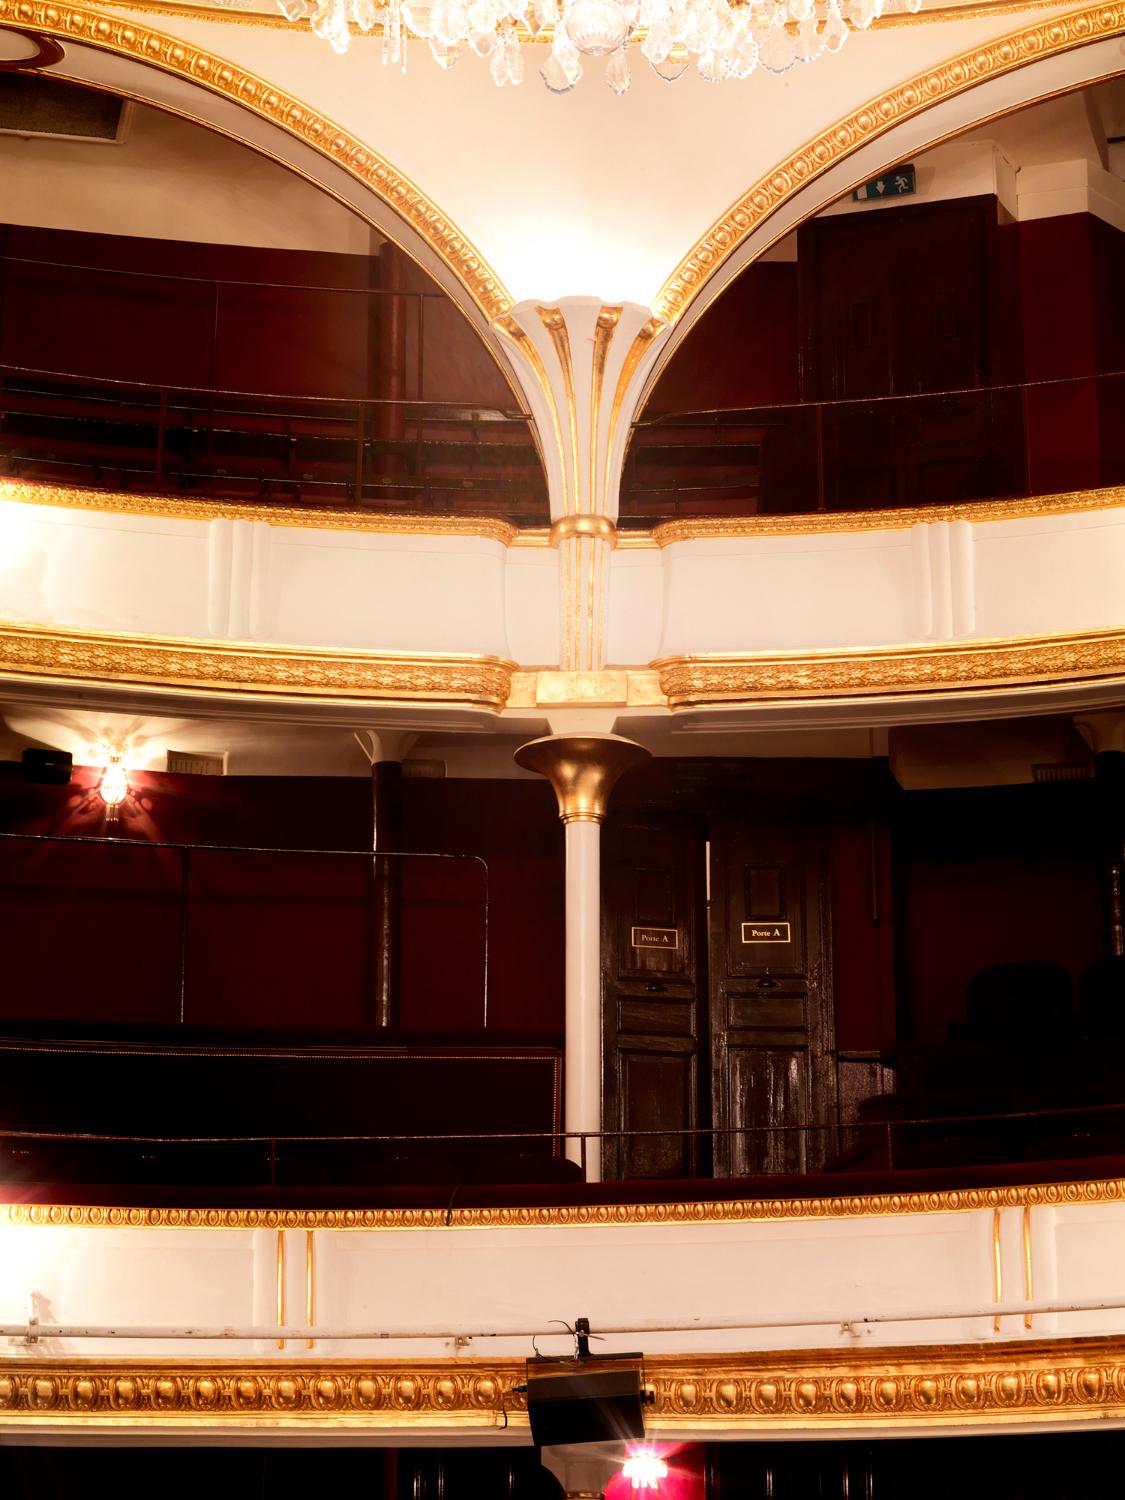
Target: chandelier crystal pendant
[723,40]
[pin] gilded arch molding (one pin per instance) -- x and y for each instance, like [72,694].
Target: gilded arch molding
[116,34]
[861,126]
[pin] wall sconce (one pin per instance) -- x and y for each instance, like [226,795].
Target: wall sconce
[645,1469]
[113,787]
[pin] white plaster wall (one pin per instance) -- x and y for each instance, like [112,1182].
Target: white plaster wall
[170,179]
[572,216]
[531,583]
[959,169]
[666,1288]
[777,593]
[1051,574]
[636,608]
[93,571]
[248,581]
[386,592]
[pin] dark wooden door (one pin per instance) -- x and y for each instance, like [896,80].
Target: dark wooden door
[654,993]
[772,1028]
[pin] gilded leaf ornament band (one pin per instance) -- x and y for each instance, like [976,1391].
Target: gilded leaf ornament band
[277,671]
[696,681]
[114,33]
[593,1215]
[1060,1380]
[979,512]
[989,60]
[306,517]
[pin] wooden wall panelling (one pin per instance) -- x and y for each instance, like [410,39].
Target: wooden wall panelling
[900,302]
[654,993]
[771,965]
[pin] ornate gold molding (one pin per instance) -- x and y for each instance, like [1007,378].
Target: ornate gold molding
[693,681]
[972,11]
[305,517]
[980,512]
[590,1215]
[665,534]
[113,33]
[582,769]
[600,528]
[34,651]
[989,60]
[952,1385]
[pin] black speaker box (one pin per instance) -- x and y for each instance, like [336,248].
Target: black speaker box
[586,1401]
[48,767]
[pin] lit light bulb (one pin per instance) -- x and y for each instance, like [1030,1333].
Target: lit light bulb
[645,1470]
[113,787]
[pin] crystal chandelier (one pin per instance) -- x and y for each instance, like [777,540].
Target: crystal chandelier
[723,40]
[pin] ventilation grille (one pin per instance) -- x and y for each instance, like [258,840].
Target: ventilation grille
[423,770]
[1067,770]
[32,104]
[193,763]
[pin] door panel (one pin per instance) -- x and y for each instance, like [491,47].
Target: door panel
[772,1060]
[657,1092]
[768,1086]
[654,992]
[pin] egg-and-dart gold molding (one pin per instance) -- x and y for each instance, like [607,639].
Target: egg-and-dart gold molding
[589,1215]
[307,517]
[989,60]
[37,652]
[980,512]
[114,33]
[955,1384]
[696,681]
[237,17]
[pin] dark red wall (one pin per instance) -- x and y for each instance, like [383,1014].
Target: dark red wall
[742,351]
[929,297]
[514,826]
[862,935]
[92,932]
[311,332]
[988,876]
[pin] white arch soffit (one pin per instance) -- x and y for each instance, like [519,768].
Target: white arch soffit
[1030,84]
[181,96]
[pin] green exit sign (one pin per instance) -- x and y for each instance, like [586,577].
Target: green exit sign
[897,184]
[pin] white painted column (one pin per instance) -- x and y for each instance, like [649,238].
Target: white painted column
[583,770]
[582,1109]
[584,1470]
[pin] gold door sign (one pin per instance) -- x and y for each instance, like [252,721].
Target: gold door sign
[655,937]
[766,932]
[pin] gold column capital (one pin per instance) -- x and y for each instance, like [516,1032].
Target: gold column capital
[601,528]
[583,769]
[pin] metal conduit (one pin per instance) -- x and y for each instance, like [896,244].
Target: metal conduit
[34,1332]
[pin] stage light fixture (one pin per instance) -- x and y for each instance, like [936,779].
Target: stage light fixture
[582,1398]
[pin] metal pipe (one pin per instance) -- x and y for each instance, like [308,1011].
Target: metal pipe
[271,1332]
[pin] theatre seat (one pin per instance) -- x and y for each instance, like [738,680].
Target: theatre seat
[1030,1002]
[524,1166]
[1101,998]
[1075,1146]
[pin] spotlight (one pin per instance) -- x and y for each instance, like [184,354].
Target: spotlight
[582,1399]
[645,1469]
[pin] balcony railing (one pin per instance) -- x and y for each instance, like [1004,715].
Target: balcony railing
[351,413]
[938,447]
